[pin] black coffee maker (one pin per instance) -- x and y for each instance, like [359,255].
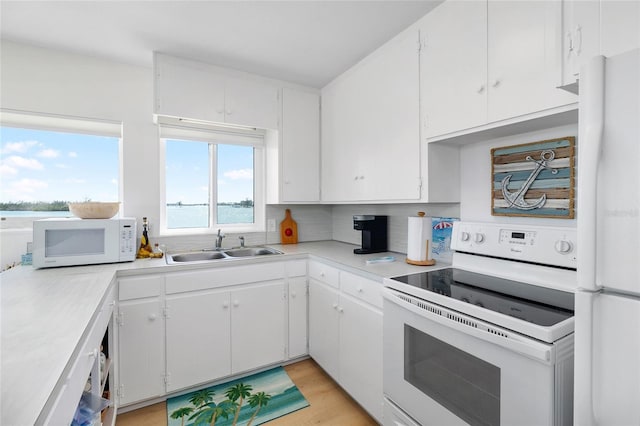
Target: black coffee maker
[374,233]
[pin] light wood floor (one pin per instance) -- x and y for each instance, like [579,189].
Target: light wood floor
[328,403]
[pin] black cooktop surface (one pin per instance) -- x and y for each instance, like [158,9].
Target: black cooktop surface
[538,305]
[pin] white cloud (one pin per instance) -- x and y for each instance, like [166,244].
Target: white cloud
[28,186]
[240,174]
[21,147]
[62,166]
[74,180]
[48,153]
[72,154]
[22,162]
[6,170]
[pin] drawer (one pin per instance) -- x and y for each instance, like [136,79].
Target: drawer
[324,273]
[139,287]
[204,279]
[297,268]
[362,288]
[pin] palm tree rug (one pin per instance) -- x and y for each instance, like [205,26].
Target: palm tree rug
[250,400]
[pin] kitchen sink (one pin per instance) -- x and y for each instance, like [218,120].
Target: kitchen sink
[251,251]
[213,256]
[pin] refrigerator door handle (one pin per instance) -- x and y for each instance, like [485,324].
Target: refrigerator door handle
[591,129]
[583,409]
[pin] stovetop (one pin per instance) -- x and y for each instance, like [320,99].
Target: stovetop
[540,306]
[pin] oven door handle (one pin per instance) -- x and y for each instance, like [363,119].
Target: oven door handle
[471,326]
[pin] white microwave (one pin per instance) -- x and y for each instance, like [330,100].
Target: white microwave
[74,241]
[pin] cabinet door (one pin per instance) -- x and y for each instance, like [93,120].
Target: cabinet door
[251,103]
[198,338]
[141,364]
[370,127]
[581,36]
[323,326]
[298,317]
[187,89]
[620,26]
[361,354]
[300,144]
[258,326]
[524,58]
[453,67]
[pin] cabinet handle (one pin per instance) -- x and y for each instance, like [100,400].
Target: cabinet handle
[293,294]
[93,354]
[322,274]
[495,83]
[228,112]
[578,46]
[360,290]
[340,309]
[152,317]
[480,89]
[236,303]
[335,306]
[225,305]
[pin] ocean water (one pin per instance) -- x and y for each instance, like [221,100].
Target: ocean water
[177,216]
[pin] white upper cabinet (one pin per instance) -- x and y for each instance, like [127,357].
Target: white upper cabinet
[597,27]
[300,146]
[370,127]
[195,90]
[483,63]
[453,67]
[620,30]
[581,36]
[525,58]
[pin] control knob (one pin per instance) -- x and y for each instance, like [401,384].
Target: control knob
[563,246]
[464,236]
[479,237]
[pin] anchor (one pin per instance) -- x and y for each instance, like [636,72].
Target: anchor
[516,199]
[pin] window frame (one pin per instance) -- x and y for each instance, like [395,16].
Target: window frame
[216,135]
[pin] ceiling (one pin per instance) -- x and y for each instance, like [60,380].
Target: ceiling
[305,42]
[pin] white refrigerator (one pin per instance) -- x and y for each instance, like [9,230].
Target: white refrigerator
[607,309]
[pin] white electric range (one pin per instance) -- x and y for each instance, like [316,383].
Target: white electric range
[489,340]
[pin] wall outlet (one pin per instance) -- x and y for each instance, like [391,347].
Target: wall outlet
[271,225]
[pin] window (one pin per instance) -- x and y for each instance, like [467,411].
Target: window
[213,179]
[46,162]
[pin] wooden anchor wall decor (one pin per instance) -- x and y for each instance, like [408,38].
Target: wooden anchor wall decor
[534,179]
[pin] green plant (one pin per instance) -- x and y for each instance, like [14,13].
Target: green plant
[258,400]
[237,394]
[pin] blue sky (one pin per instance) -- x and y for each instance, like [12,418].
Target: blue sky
[48,166]
[187,173]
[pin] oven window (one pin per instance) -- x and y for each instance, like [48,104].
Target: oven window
[467,386]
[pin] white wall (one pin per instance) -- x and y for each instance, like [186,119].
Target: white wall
[475,169]
[342,220]
[54,82]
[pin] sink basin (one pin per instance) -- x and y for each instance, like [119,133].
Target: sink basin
[197,256]
[212,256]
[251,251]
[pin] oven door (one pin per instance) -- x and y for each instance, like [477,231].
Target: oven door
[444,368]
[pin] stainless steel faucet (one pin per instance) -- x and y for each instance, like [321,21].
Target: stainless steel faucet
[219,239]
[241,241]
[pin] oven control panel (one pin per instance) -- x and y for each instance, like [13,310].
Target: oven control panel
[538,244]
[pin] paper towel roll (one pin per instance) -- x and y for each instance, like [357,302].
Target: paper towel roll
[419,239]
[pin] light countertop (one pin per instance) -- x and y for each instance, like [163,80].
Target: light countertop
[45,314]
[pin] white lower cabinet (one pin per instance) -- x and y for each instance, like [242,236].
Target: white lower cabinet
[345,333]
[182,329]
[141,366]
[198,338]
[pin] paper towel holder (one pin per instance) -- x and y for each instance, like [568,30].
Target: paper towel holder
[429,262]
